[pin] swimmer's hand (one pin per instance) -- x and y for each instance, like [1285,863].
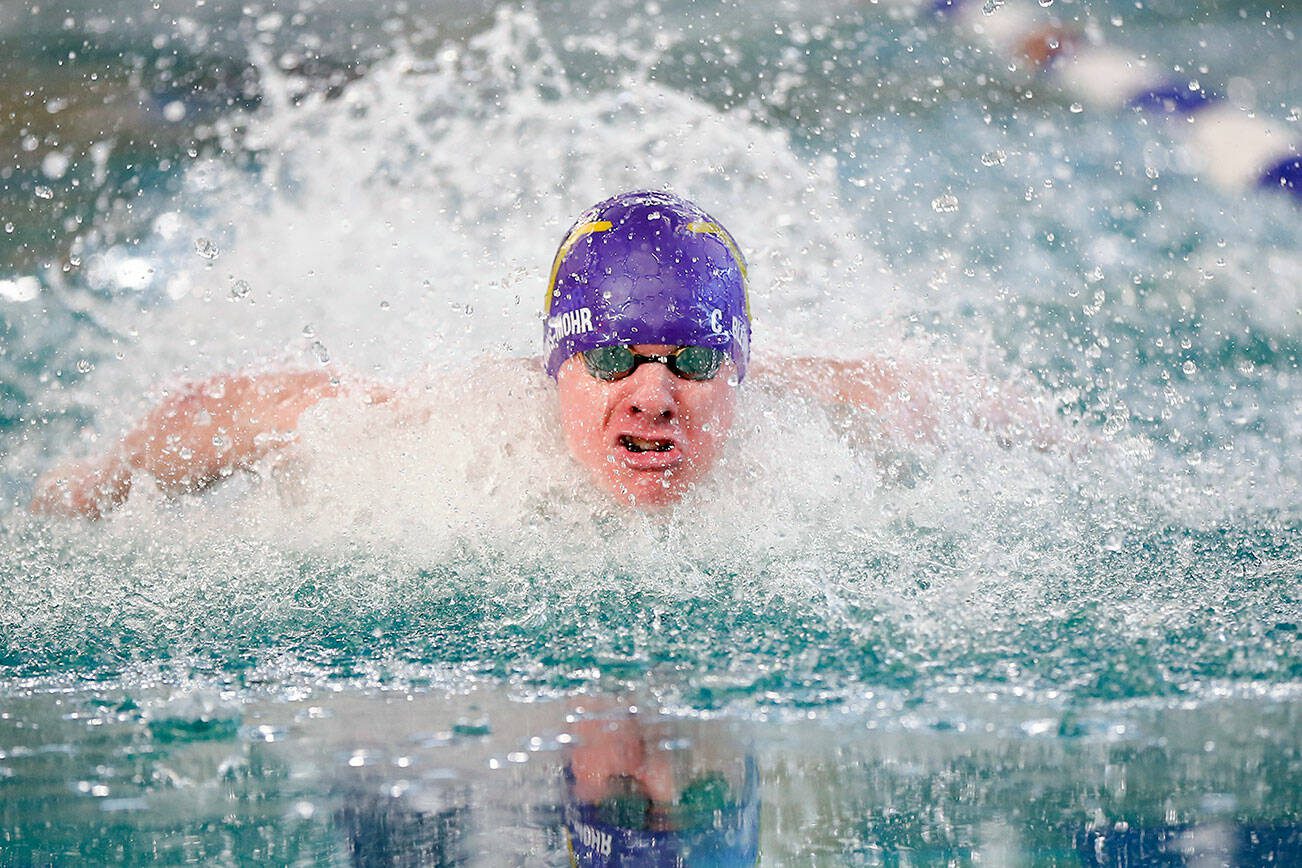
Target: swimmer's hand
[199,434]
[83,488]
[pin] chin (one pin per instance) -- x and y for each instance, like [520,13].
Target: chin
[650,490]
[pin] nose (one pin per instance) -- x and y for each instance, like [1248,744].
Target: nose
[649,393]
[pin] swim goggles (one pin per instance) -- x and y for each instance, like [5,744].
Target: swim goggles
[690,363]
[629,807]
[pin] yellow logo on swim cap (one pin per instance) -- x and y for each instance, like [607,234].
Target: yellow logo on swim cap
[573,238]
[700,227]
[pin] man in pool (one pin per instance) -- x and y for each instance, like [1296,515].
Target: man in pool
[646,333]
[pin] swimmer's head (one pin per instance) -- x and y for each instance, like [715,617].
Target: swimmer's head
[647,334]
[647,268]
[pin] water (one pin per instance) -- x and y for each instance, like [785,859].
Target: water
[948,651]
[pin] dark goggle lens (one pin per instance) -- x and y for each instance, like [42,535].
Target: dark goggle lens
[610,363]
[690,363]
[697,363]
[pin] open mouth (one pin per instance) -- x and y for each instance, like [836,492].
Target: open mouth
[638,445]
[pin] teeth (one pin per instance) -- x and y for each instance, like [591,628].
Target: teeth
[637,444]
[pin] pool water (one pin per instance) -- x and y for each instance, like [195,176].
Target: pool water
[959,650]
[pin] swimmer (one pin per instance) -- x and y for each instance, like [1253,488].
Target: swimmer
[646,334]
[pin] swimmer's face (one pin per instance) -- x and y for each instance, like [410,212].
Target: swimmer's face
[650,436]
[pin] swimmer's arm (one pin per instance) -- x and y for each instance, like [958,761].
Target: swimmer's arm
[867,383]
[200,433]
[883,386]
[911,397]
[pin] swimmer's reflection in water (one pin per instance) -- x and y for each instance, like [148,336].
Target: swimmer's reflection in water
[647,335]
[636,789]
[648,793]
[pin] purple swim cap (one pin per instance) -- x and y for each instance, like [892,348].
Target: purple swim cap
[646,268]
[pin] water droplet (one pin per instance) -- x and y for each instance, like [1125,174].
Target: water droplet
[205,248]
[1188,367]
[946,203]
[319,350]
[1152,173]
[997,157]
[1076,108]
[1046,3]
[240,289]
[85,366]
[384,305]
[309,331]
[44,192]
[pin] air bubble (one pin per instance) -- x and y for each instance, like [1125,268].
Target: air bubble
[44,192]
[996,157]
[85,366]
[240,289]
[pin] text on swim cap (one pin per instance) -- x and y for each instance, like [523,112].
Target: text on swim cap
[571,322]
[716,321]
[596,840]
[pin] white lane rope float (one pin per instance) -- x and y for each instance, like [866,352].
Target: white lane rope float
[1236,148]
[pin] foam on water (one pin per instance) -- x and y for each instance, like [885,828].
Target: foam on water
[403,232]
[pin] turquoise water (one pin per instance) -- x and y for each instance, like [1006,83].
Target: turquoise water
[955,651]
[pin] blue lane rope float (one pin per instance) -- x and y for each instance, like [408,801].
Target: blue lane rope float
[1236,149]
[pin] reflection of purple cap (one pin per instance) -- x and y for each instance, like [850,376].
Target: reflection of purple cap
[646,268]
